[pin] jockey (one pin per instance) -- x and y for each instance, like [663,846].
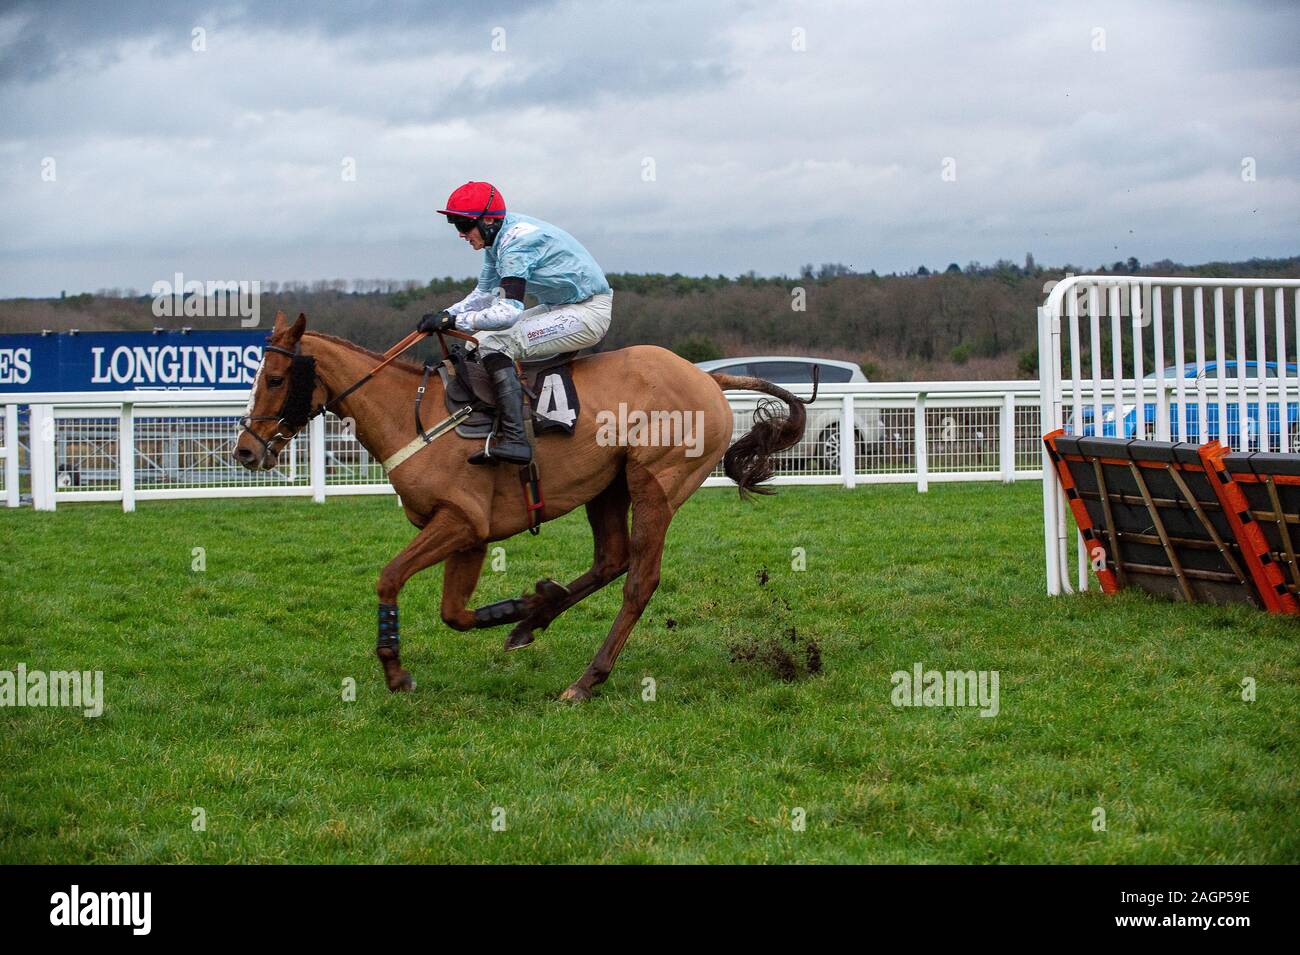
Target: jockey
[521,255]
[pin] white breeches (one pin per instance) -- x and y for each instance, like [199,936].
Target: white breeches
[552,329]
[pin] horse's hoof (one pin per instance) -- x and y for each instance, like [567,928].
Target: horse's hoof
[518,640]
[404,683]
[576,694]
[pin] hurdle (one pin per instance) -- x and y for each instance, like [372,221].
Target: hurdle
[1166,518]
[1097,335]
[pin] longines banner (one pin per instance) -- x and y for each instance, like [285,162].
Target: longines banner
[130,361]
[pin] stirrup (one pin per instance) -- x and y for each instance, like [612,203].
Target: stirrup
[487,457]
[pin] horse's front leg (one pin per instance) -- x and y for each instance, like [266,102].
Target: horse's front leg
[443,536]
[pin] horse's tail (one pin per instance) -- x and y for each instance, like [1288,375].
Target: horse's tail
[748,461]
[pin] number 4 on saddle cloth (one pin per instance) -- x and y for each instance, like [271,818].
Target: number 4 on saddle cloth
[552,398]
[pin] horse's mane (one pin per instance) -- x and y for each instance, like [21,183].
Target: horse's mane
[353,346]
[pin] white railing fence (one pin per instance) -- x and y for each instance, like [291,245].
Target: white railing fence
[9,454]
[140,446]
[1097,335]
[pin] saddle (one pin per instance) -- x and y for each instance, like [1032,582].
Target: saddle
[548,382]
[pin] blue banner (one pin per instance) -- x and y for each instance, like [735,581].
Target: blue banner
[131,361]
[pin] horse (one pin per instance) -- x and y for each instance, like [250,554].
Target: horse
[460,508]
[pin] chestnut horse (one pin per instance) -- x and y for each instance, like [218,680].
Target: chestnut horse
[460,508]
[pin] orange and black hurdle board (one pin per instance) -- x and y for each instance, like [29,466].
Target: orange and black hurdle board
[1154,510]
[1265,488]
[1102,559]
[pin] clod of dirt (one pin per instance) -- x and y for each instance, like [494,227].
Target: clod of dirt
[762,577]
[770,654]
[813,656]
[670,623]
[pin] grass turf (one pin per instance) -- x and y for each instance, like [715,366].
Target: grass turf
[224,690]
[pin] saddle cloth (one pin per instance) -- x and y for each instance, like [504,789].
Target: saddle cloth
[552,396]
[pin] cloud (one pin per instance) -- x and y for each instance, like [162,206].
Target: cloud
[228,162]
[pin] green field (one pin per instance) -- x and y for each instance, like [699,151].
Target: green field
[223,690]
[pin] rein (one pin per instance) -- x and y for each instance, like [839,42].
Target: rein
[297,411]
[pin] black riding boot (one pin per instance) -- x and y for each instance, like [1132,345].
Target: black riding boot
[510,444]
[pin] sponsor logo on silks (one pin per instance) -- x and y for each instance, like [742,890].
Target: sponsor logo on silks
[924,687]
[103,908]
[516,231]
[536,334]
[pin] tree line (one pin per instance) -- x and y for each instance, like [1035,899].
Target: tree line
[971,321]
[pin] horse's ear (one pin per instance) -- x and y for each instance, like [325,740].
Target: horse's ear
[299,326]
[280,322]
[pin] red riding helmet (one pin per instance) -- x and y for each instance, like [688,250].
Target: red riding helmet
[474,203]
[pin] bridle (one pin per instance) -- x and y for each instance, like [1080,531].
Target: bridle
[297,409]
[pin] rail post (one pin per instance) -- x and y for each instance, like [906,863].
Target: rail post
[1007,436]
[316,458]
[848,444]
[1047,422]
[11,455]
[42,457]
[922,452]
[126,455]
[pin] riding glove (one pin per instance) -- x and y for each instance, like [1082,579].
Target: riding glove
[436,322]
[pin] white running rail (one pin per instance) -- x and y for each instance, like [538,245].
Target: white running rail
[139,446]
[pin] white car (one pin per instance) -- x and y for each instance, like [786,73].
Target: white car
[822,432]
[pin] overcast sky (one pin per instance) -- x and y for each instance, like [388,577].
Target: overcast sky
[688,137]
